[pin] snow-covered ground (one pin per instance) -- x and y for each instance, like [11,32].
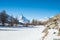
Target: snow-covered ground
[26,33]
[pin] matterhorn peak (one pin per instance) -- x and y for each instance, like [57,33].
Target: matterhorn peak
[23,19]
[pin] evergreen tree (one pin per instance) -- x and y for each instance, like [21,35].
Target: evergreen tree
[3,17]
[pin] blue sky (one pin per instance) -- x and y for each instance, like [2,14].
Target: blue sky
[31,8]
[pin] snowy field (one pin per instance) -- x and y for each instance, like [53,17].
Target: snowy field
[26,33]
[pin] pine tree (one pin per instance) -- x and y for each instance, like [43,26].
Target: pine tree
[3,17]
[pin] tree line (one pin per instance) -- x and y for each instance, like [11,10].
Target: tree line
[5,18]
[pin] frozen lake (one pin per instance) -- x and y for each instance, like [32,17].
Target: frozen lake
[25,33]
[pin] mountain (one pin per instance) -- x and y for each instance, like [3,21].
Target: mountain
[23,19]
[44,19]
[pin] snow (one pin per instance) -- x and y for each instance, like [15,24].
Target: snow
[23,19]
[27,34]
[51,34]
[44,19]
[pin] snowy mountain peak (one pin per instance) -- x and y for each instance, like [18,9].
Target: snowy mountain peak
[23,19]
